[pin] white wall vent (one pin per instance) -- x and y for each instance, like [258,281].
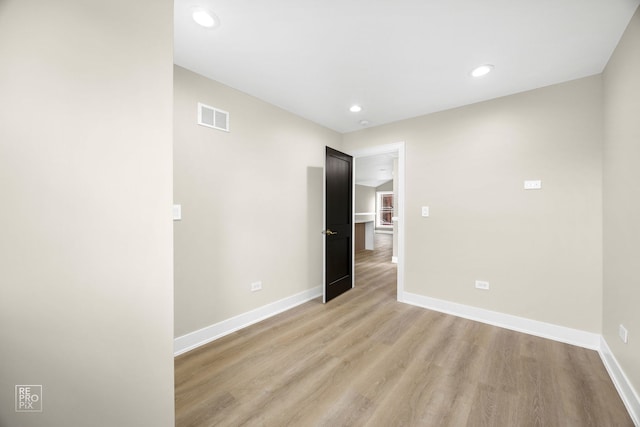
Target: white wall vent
[213,117]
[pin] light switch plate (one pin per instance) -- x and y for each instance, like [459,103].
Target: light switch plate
[425,211]
[177,212]
[624,334]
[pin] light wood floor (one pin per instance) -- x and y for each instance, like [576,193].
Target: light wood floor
[366,360]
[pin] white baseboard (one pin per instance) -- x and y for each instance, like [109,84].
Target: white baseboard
[626,391]
[394,259]
[210,333]
[379,231]
[520,324]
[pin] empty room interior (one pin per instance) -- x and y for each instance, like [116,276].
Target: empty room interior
[165,248]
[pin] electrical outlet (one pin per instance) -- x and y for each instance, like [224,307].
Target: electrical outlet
[256,286]
[482,285]
[624,334]
[533,185]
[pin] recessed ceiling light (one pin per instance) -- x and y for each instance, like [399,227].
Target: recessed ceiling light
[355,108]
[205,17]
[482,70]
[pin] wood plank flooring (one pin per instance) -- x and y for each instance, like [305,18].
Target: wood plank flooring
[366,360]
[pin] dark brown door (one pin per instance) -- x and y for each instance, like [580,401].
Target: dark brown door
[338,271]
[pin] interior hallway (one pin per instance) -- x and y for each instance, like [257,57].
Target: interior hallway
[366,360]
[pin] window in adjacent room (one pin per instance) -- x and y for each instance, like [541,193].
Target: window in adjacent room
[384,209]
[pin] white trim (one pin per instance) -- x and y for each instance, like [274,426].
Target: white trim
[378,231]
[399,148]
[627,393]
[520,324]
[394,259]
[324,225]
[368,244]
[218,330]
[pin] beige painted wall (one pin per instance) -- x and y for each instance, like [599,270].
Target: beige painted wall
[365,202]
[86,305]
[251,204]
[387,186]
[365,198]
[622,200]
[541,250]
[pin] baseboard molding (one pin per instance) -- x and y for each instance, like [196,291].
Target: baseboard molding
[205,335]
[626,391]
[520,324]
[379,231]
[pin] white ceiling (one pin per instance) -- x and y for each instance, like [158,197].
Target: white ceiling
[374,171]
[398,59]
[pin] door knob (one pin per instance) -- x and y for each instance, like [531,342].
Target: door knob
[330,233]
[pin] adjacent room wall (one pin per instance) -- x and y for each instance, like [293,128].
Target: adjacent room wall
[387,186]
[86,294]
[365,202]
[251,204]
[622,201]
[365,198]
[541,250]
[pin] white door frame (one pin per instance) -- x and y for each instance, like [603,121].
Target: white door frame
[397,147]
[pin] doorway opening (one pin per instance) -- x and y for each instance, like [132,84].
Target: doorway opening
[379,169]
